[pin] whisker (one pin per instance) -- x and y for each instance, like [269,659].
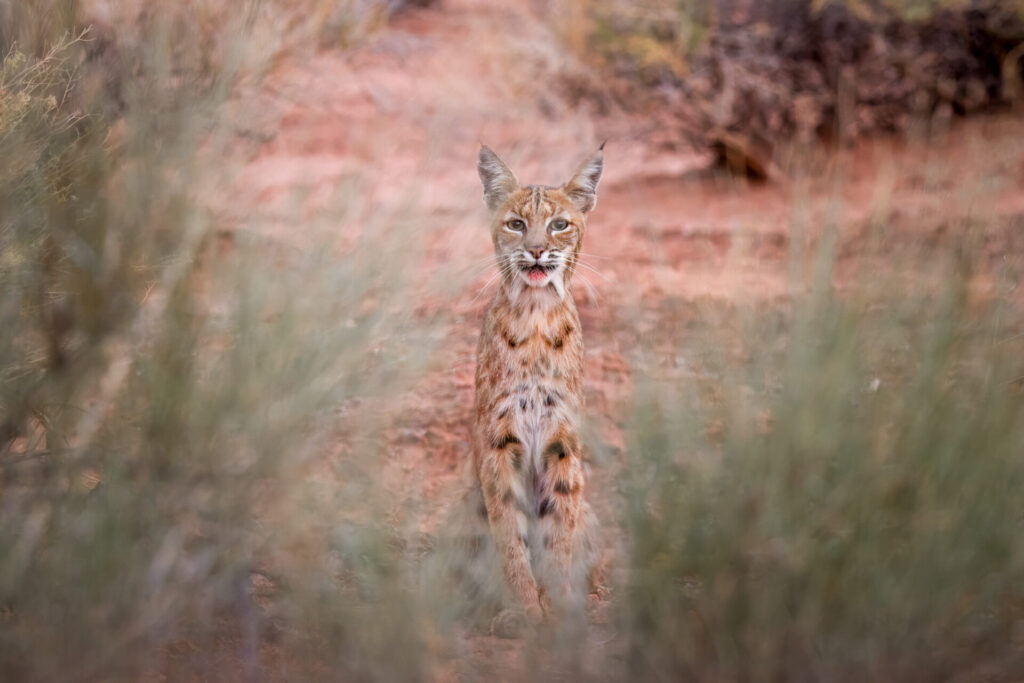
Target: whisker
[484,269]
[501,262]
[577,256]
[484,288]
[592,292]
[591,269]
[581,261]
[490,258]
[506,268]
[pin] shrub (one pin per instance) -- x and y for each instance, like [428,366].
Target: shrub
[170,390]
[841,504]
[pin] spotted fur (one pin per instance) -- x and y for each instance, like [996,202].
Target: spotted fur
[529,384]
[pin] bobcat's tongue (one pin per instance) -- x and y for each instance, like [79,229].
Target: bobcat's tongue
[536,274]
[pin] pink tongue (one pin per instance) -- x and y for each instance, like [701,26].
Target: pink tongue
[536,275]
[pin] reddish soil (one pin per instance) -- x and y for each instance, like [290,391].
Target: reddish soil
[406,111]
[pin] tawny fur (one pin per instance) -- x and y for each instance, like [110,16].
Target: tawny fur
[529,386]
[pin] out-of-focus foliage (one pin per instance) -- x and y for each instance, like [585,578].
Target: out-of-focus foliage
[35,25]
[912,10]
[164,388]
[190,456]
[840,504]
[746,79]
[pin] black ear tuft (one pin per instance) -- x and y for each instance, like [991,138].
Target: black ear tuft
[582,189]
[498,180]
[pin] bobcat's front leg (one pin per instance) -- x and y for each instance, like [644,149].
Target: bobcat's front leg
[504,498]
[561,512]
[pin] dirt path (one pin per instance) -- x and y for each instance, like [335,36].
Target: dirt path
[407,110]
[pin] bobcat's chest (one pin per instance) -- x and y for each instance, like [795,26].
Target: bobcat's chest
[529,376]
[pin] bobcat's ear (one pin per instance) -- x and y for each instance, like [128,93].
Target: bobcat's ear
[582,189]
[499,181]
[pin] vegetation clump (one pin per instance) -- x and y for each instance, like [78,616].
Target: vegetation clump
[746,80]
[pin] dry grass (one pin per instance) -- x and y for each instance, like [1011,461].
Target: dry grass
[836,500]
[191,440]
[166,401]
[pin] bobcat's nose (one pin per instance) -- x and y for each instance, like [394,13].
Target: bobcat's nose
[535,252]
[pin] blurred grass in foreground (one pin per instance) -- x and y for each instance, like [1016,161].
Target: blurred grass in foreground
[172,498]
[835,495]
[190,440]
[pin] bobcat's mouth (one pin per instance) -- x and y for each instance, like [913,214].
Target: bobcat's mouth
[536,274]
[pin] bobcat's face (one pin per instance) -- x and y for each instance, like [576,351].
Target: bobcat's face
[537,236]
[537,230]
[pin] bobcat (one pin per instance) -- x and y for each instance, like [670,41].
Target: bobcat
[529,387]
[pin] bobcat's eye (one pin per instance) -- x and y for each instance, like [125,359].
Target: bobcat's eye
[516,225]
[558,225]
